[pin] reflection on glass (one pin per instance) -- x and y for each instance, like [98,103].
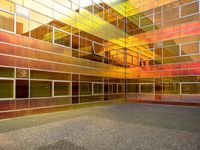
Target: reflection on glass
[40,31]
[62,38]
[6,21]
[22,25]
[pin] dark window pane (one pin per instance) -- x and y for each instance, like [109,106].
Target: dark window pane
[41,89]
[6,89]
[85,88]
[171,88]
[192,88]
[61,88]
[113,88]
[97,88]
[75,88]
[147,88]
[74,100]
[120,88]
[22,88]
[132,88]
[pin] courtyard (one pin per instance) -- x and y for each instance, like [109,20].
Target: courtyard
[127,126]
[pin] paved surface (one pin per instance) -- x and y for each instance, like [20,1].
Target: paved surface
[114,127]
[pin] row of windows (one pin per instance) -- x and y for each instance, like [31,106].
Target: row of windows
[150,20]
[165,88]
[163,55]
[25,83]
[98,8]
[160,4]
[21,73]
[91,47]
[47,33]
[59,11]
[165,79]
[37,88]
[43,88]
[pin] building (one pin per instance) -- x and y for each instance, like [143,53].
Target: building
[55,53]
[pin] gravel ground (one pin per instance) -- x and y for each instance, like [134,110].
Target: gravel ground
[113,127]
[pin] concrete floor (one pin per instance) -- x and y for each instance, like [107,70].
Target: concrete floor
[113,127]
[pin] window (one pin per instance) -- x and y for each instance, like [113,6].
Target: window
[60,25]
[171,88]
[49,75]
[40,31]
[113,88]
[22,88]
[65,3]
[85,88]
[86,45]
[120,88]
[98,10]
[75,42]
[22,25]
[9,6]
[97,88]
[6,72]
[22,73]
[22,11]
[189,9]
[6,88]
[191,48]
[146,88]
[171,51]
[62,38]
[146,21]
[41,89]
[132,88]
[6,21]
[190,88]
[61,88]
[171,14]
[98,49]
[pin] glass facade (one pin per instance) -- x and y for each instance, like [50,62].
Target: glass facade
[61,52]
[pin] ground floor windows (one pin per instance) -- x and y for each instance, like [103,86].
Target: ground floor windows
[61,88]
[85,88]
[190,88]
[40,89]
[22,88]
[6,72]
[132,88]
[97,88]
[171,88]
[146,88]
[6,89]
